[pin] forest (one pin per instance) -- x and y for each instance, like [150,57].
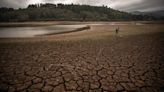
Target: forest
[67,12]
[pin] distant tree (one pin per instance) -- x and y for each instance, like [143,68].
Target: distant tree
[33,6]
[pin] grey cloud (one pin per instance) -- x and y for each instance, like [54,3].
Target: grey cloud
[144,5]
[13,3]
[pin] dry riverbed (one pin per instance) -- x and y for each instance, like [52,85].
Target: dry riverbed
[93,60]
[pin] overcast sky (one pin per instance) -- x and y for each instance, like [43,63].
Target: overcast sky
[124,5]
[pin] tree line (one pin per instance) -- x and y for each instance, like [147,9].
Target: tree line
[67,12]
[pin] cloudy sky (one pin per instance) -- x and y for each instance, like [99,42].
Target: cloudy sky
[124,5]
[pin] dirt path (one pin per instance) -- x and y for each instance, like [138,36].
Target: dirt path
[112,64]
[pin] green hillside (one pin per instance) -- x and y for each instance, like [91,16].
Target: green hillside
[71,12]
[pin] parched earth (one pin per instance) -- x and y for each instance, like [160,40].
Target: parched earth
[132,63]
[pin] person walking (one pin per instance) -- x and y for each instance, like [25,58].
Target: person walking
[117,30]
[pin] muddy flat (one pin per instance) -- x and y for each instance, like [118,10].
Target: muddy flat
[94,60]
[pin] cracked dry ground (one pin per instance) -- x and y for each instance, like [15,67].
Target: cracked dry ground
[131,63]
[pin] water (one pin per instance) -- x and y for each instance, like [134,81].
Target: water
[21,32]
[125,23]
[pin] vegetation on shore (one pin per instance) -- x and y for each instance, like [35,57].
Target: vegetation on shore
[71,12]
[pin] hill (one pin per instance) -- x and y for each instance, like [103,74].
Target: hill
[159,14]
[71,12]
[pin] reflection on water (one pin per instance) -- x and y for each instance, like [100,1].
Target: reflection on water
[33,31]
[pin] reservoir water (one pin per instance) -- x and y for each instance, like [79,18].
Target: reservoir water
[23,32]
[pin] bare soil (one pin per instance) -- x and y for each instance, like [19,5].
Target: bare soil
[95,60]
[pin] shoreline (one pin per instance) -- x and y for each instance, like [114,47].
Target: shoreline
[71,31]
[49,23]
[95,32]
